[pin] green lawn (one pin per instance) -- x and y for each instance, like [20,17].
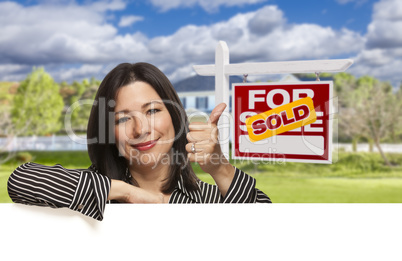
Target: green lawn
[332,190]
[327,190]
[356,177]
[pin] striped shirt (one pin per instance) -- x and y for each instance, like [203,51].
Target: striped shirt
[86,191]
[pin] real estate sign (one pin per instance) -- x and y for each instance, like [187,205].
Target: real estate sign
[283,121]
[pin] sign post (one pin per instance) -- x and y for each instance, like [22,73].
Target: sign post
[222,69]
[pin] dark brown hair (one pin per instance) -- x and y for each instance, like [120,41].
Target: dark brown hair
[102,149]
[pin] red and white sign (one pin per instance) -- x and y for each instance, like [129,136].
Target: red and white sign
[308,143]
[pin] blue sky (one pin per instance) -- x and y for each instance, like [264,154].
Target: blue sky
[79,39]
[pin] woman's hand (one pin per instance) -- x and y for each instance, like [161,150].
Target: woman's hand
[204,148]
[126,193]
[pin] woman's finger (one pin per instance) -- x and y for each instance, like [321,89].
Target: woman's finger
[204,146]
[216,113]
[207,159]
[200,158]
[200,126]
[191,148]
[200,136]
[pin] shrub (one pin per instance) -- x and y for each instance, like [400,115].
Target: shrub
[24,157]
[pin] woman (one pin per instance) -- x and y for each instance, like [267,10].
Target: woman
[140,145]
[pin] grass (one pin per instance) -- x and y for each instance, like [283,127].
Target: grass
[332,190]
[327,190]
[356,177]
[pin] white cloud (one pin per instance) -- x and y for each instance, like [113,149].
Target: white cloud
[265,20]
[278,42]
[105,5]
[385,29]
[207,5]
[63,38]
[78,34]
[382,55]
[384,34]
[181,73]
[247,42]
[49,34]
[343,2]
[129,20]
[79,73]
[382,64]
[373,58]
[389,10]
[13,72]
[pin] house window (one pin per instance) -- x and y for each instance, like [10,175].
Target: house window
[183,101]
[202,103]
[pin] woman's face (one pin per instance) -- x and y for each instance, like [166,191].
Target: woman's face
[144,130]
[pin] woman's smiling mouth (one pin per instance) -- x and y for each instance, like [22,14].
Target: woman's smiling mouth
[145,145]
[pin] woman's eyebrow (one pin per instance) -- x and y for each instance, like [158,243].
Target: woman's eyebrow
[121,112]
[149,103]
[142,106]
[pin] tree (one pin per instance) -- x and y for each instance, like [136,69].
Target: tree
[82,102]
[344,84]
[6,133]
[37,105]
[7,128]
[67,91]
[396,131]
[372,111]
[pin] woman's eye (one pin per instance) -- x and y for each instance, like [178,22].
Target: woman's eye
[152,111]
[122,120]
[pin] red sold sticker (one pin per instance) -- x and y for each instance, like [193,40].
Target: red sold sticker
[283,121]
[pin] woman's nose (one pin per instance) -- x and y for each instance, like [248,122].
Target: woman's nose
[141,126]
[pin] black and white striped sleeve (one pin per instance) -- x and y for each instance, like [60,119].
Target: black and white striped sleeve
[84,191]
[242,190]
